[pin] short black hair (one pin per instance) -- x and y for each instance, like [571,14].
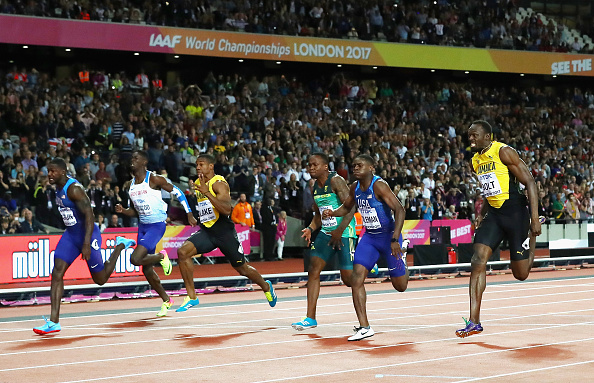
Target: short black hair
[323,156]
[142,154]
[484,124]
[210,159]
[59,162]
[367,158]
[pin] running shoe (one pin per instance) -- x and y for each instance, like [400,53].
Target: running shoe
[125,241]
[373,272]
[166,263]
[165,307]
[271,295]
[188,303]
[304,324]
[361,333]
[470,329]
[47,328]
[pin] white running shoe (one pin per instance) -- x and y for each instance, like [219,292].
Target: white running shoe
[362,333]
[404,248]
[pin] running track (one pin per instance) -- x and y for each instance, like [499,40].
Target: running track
[540,330]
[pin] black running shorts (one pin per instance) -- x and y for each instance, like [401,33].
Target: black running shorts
[227,242]
[511,222]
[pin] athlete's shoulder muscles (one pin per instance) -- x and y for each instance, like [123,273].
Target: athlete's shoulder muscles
[160,182]
[340,188]
[77,194]
[510,158]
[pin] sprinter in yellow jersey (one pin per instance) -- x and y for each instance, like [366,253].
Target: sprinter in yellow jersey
[507,214]
[216,231]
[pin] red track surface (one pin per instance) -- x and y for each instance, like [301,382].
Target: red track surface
[535,331]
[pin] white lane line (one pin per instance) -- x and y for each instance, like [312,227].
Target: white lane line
[404,302]
[317,355]
[527,371]
[169,354]
[207,326]
[421,376]
[495,289]
[425,361]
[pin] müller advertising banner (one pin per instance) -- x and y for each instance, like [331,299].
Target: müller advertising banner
[139,38]
[30,258]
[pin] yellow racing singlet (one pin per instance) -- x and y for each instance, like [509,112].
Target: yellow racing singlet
[209,215]
[498,183]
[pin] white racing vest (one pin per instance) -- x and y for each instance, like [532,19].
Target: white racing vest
[147,201]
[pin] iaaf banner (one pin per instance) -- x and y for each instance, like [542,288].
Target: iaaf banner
[30,258]
[175,236]
[416,231]
[461,230]
[142,38]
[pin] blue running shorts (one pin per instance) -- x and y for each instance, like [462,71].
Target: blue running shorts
[149,235]
[70,246]
[372,246]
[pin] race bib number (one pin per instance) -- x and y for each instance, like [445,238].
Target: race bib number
[370,219]
[67,216]
[206,211]
[330,221]
[490,184]
[143,208]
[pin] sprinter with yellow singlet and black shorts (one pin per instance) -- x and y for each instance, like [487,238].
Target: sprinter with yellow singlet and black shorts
[507,214]
[216,231]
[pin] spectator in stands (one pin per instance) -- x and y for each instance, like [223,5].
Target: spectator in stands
[427,210]
[257,210]
[30,224]
[242,212]
[268,229]
[114,221]
[281,233]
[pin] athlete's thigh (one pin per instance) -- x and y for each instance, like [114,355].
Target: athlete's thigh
[231,248]
[202,242]
[95,262]
[490,232]
[68,248]
[149,235]
[517,228]
[320,247]
[346,253]
[366,253]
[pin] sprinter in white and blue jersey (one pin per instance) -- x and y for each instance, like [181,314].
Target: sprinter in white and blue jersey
[148,205]
[376,202]
[82,236]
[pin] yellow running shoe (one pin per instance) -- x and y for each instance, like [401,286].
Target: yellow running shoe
[165,307]
[166,263]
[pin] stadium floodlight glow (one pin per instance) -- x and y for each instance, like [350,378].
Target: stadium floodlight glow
[555,76]
[339,65]
[521,74]
[11,62]
[466,72]
[25,46]
[374,67]
[278,63]
[432,70]
[176,57]
[67,49]
[240,60]
[136,54]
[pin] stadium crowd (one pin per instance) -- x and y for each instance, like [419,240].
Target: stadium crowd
[262,131]
[478,23]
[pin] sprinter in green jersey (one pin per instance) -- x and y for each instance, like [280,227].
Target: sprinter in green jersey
[337,236]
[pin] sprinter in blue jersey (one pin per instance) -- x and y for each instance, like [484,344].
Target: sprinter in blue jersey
[376,202]
[148,205]
[82,236]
